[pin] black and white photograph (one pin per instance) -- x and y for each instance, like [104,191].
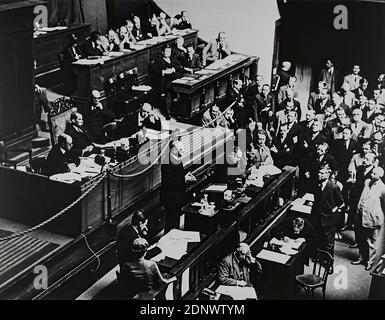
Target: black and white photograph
[204,155]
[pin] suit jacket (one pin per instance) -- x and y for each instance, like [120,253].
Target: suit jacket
[173,185]
[89,49]
[161,65]
[194,63]
[81,139]
[130,125]
[139,33]
[361,130]
[283,77]
[294,133]
[372,204]
[57,161]
[231,270]
[368,117]
[262,155]
[358,92]
[282,93]
[126,237]
[257,104]
[353,81]
[319,107]
[313,164]
[214,52]
[358,186]
[344,156]
[69,54]
[312,143]
[332,80]
[285,149]
[180,56]
[324,202]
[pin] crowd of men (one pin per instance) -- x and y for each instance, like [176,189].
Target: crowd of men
[339,148]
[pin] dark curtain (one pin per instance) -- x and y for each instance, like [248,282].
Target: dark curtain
[79,11]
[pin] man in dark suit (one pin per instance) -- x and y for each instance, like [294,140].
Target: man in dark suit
[322,101]
[167,69]
[91,46]
[343,151]
[253,89]
[331,77]
[314,96]
[173,185]
[127,234]
[282,148]
[362,173]
[361,90]
[82,142]
[284,73]
[236,96]
[138,31]
[328,204]
[306,125]
[134,122]
[316,161]
[180,51]
[192,62]
[261,107]
[60,158]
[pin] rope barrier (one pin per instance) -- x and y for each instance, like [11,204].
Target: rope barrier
[18,234]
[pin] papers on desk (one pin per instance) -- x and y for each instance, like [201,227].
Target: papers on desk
[203,71]
[181,81]
[116,53]
[216,188]
[273,256]
[308,197]
[291,244]
[93,61]
[148,42]
[142,88]
[270,170]
[174,243]
[49,29]
[138,46]
[238,293]
[304,204]
[68,177]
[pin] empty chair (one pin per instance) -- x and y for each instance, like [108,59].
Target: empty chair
[318,279]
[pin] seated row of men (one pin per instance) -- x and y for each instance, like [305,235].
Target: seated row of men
[138,273]
[80,140]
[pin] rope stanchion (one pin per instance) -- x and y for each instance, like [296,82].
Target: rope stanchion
[63,211]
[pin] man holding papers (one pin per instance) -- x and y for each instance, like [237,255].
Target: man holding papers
[235,269]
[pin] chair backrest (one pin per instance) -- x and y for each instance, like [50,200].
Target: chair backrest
[38,165]
[59,116]
[322,264]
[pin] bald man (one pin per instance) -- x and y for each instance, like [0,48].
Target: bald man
[371,208]
[234,269]
[60,158]
[173,185]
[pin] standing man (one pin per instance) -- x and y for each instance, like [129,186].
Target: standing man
[331,76]
[371,208]
[354,78]
[173,186]
[284,73]
[327,207]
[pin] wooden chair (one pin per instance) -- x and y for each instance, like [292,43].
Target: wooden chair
[318,279]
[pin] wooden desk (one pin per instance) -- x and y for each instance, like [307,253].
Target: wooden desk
[95,76]
[48,46]
[279,278]
[198,95]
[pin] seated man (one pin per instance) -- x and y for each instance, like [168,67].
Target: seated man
[181,21]
[141,274]
[192,61]
[127,234]
[298,229]
[235,269]
[132,123]
[92,46]
[82,142]
[216,49]
[60,158]
[212,118]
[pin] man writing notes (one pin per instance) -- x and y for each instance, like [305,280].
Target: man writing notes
[216,49]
